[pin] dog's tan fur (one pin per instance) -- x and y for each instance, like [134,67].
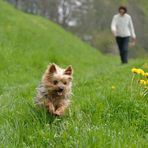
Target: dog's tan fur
[54,91]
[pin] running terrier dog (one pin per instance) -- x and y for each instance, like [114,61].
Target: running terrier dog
[54,92]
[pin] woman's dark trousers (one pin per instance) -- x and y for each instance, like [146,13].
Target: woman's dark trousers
[122,43]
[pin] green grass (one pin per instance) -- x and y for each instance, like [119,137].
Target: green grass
[99,115]
[143,4]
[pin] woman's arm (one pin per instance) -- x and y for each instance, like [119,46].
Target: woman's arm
[132,30]
[113,26]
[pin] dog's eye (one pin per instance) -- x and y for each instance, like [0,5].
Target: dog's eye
[55,82]
[65,83]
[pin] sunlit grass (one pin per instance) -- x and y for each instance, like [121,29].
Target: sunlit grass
[102,113]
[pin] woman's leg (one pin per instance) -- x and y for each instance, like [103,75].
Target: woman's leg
[125,49]
[119,41]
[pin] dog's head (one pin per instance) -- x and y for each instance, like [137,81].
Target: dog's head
[58,80]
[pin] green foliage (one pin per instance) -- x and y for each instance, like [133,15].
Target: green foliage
[99,116]
[104,41]
[143,4]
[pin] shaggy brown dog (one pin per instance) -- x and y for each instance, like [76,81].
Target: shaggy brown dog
[55,89]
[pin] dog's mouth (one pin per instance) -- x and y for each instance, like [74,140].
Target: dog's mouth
[60,93]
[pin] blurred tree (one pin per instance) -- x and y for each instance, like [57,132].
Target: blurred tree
[89,19]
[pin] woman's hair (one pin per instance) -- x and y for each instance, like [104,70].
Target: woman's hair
[123,8]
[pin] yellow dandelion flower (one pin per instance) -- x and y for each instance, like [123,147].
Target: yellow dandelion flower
[138,71]
[113,87]
[146,74]
[142,82]
[134,70]
[141,72]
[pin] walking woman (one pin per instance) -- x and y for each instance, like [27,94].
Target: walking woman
[122,28]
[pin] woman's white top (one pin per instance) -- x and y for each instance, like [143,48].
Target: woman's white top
[122,26]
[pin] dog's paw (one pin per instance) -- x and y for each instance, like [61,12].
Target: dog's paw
[59,113]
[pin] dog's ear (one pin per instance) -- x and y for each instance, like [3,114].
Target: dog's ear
[68,71]
[52,69]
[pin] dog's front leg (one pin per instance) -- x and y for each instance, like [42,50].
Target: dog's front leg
[50,107]
[60,110]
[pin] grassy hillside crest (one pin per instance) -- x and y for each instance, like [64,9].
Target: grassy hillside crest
[102,114]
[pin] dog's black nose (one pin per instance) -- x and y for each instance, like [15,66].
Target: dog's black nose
[61,89]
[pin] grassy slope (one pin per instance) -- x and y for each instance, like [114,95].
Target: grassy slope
[99,116]
[144,6]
